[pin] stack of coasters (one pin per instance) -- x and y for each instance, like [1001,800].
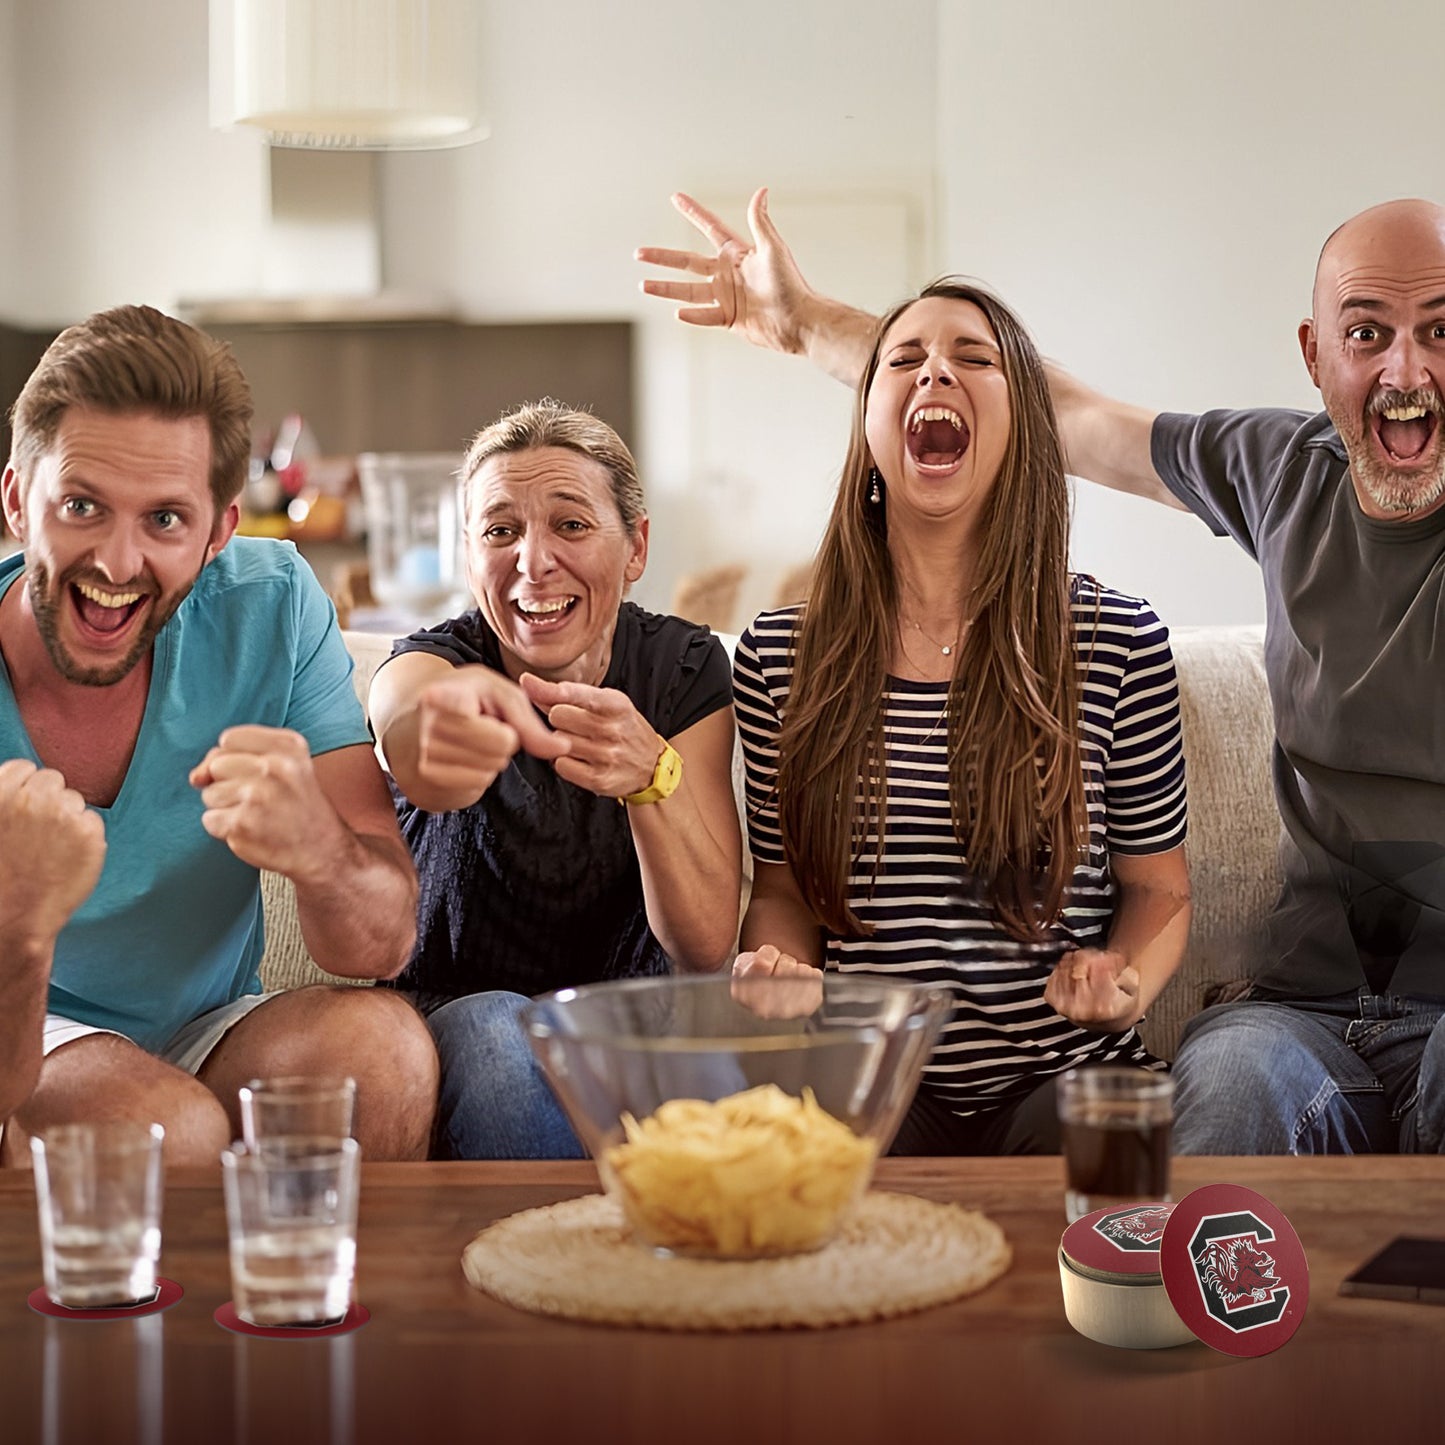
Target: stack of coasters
[1223,1266]
[1113,1290]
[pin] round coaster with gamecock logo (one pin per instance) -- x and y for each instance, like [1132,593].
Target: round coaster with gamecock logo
[1235,1270]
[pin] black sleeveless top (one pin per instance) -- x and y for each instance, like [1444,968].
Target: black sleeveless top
[536,886]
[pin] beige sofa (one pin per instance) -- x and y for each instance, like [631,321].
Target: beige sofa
[1233,826]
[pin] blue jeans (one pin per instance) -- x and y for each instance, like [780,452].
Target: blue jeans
[1353,1074]
[495,1102]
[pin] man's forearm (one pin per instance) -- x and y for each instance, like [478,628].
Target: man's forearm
[835,337]
[358,916]
[24,989]
[1106,441]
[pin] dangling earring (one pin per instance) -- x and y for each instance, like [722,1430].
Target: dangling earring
[875,493]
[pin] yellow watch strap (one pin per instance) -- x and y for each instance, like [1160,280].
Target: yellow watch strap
[665,778]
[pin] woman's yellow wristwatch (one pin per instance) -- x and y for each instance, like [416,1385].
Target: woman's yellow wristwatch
[665,778]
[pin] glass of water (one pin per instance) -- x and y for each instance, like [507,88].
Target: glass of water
[291,1216]
[294,1107]
[98,1188]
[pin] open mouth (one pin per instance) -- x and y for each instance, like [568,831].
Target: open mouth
[540,613]
[1406,428]
[937,438]
[105,614]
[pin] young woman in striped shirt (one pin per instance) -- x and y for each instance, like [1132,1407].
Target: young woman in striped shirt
[963,762]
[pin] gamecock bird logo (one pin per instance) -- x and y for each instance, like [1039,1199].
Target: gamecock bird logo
[1139,1227]
[1238,1271]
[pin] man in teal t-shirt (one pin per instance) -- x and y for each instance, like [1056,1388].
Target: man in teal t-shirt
[191,695]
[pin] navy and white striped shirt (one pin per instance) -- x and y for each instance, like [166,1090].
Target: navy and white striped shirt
[930,917]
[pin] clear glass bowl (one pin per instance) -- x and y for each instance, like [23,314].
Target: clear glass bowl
[712,1185]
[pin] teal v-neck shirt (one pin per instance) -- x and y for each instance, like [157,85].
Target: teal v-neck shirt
[174,927]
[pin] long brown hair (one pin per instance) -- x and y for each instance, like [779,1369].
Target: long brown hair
[1016,784]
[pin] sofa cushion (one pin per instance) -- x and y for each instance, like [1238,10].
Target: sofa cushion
[1233,824]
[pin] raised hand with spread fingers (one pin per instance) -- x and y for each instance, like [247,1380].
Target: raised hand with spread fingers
[754,287]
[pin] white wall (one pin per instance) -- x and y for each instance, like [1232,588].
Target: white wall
[10,214]
[598,112]
[1150,186]
[123,193]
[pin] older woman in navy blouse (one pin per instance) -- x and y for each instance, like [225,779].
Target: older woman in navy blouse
[562,760]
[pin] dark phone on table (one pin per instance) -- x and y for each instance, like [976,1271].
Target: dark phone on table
[1407,1269]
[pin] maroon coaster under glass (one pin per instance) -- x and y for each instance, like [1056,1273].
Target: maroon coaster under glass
[353,1319]
[167,1293]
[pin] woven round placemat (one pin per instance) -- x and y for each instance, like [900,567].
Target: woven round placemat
[895,1253]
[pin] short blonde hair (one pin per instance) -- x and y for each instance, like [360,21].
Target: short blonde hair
[548,423]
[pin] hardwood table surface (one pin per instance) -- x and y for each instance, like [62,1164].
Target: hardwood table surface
[441,1361]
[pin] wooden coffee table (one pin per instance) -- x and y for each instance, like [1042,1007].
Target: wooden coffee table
[441,1362]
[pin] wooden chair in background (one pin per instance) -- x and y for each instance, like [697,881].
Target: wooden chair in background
[710,597]
[794,585]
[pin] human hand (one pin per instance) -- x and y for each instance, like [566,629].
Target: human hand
[1096,988]
[264,802]
[53,848]
[756,289]
[471,725]
[775,985]
[612,750]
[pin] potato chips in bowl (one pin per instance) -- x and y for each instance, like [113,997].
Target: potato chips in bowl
[730,1118]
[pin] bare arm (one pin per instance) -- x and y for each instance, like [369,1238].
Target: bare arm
[1112,988]
[690,850]
[52,847]
[1106,441]
[688,846]
[327,823]
[779,919]
[757,290]
[445,732]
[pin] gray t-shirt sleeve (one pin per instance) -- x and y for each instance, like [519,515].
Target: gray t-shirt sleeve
[1225,466]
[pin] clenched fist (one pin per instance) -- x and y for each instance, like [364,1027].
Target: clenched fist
[53,848]
[1096,988]
[775,985]
[264,802]
[470,725]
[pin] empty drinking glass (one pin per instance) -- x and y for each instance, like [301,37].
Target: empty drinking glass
[291,1217]
[98,1187]
[297,1108]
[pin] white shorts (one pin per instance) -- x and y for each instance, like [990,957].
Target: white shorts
[187,1049]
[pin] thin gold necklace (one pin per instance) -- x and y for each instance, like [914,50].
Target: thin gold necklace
[946,648]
